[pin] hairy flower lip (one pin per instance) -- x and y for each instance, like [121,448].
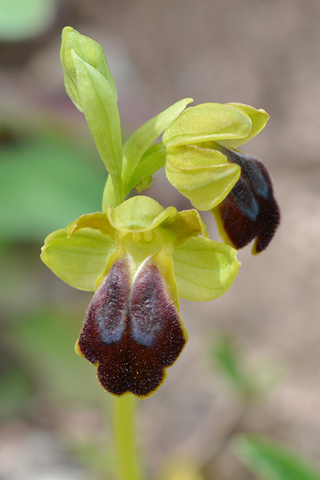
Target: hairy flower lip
[133,330]
[250,211]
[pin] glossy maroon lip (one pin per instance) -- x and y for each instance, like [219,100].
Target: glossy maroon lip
[132,333]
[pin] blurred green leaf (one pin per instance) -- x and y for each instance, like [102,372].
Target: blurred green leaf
[44,342]
[271,460]
[44,185]
[227,356]
[250,383]
[15,390]
[21,19]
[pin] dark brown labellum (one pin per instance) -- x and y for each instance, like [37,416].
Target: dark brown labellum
[134,333]
[250,210]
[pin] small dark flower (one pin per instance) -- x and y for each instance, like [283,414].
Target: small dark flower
[250,211]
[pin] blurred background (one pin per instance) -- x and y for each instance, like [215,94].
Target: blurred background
[54,417]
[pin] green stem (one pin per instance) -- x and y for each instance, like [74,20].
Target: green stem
[109,197]
[117,190]
[128,466]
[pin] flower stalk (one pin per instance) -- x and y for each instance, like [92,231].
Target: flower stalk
[126,456]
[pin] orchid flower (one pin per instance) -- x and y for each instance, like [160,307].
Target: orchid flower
[137,257]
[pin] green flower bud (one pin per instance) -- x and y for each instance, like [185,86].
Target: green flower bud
[91,87]
[90,52]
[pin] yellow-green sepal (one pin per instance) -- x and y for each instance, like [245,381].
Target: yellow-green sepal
[203,175]
[207,122]
[184,225]
[204,269]
[138,214]
[258,117]
[96,221]
[77,259]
